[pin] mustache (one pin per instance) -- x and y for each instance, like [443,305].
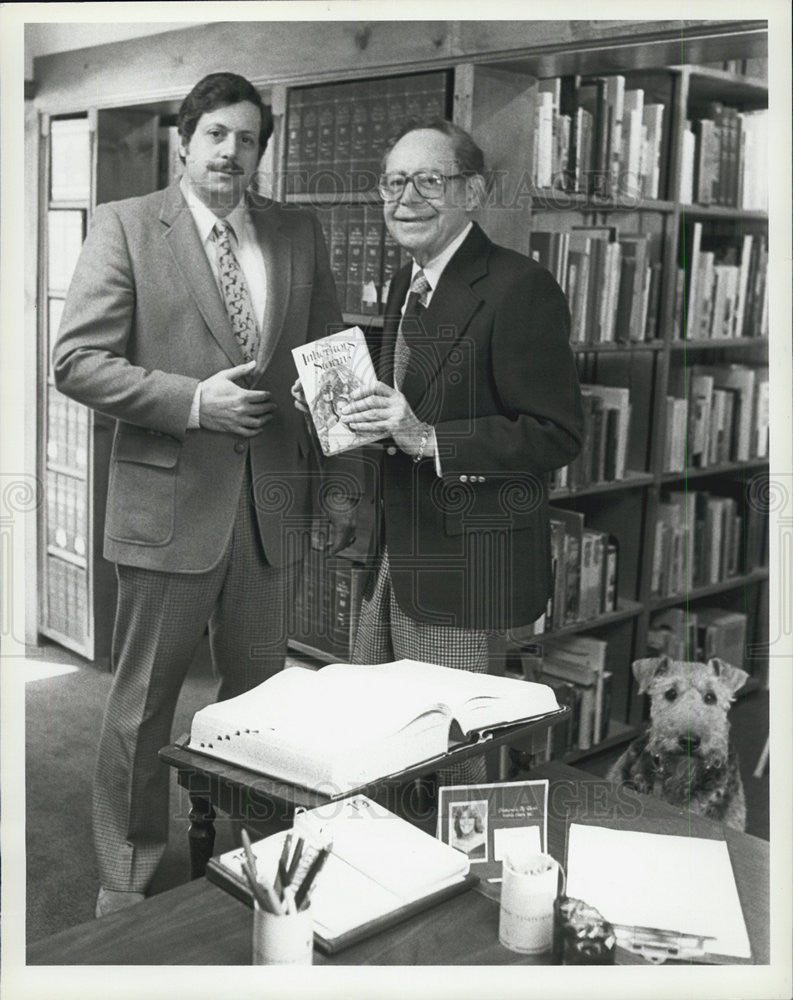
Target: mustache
[225,167]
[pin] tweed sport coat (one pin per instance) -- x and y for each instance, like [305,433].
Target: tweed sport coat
[143,323]
[492,371]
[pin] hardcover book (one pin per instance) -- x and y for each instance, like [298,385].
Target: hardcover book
[346,725]
[330,370]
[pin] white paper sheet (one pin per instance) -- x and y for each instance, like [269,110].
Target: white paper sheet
[682,884]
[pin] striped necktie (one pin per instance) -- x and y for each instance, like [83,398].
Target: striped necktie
[416,301]
[235,292]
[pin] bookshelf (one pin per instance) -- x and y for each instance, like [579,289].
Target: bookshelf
[636,350]
[496,95]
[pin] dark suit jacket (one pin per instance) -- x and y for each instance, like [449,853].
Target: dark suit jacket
[143,323]
[491,369]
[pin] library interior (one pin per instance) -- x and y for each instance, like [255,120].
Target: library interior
[629,159]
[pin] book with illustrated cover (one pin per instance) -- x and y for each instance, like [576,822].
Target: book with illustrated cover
[380,870]
[346,725]
[330,370]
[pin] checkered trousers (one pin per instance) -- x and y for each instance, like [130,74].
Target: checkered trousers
[160,619]
[386,633]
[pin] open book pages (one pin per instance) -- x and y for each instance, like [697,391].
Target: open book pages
[345,725]
[330,370]
[377,864]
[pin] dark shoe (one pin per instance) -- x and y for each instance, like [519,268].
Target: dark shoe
[110,900]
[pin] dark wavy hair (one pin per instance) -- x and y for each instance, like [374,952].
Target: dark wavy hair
[217,91]
[470,158]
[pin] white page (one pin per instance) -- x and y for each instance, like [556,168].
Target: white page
[526,838]
[683,884]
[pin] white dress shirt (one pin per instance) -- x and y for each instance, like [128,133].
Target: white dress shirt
[246,250]
[432,272]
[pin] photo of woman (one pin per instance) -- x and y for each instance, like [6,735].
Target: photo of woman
[468,829]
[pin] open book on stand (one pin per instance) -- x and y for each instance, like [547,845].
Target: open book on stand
[331,369]
[380,870]
[345,725]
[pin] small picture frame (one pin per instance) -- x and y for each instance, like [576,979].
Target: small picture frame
[485,821]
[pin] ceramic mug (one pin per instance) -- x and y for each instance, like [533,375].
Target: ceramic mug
[282,939]
[529,887]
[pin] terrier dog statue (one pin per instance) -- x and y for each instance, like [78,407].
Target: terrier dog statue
[686,757]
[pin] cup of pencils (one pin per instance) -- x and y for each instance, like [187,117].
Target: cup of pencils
[283,932]
[529,887]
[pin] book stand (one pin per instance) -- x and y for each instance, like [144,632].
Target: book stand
[214,784]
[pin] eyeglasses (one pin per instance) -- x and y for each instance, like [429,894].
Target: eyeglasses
[428,183]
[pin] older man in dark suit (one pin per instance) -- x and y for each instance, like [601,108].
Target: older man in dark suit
[479,395]
[179,323]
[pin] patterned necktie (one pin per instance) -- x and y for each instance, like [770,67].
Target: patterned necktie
[416,299]
[235,292]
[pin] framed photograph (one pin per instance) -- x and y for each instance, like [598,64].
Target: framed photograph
[468,829]
[484,821]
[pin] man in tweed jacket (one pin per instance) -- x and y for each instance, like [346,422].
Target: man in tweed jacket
[182,330]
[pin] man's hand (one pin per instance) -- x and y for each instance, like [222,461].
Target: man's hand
[385,411]
[226,406]
[342,525]
[299,397]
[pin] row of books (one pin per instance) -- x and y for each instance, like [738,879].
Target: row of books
[612,281]
[701,538]
[67,599]
[67,432]
[716,414]
[607,413]
[725,159]
[67,513]
[698,634]
[722,291]
[325,603]
[593,135]
[584,571]
[576,668]
[363,255]
[336,135]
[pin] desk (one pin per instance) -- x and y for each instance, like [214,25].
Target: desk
[257,798]
[200,924]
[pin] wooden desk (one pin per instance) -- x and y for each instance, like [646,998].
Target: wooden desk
[258,799]
[199,924]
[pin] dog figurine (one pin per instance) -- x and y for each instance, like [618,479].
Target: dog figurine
[686,757]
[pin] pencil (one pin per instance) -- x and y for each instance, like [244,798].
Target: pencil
[263,893]
[246,843]
[280,878]
[298,853]
[314,869]
[257,889]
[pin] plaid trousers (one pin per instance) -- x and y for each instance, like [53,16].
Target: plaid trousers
[386,633]
[160,619]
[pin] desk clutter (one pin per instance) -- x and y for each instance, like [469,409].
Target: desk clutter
[358,869]
[361,867]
